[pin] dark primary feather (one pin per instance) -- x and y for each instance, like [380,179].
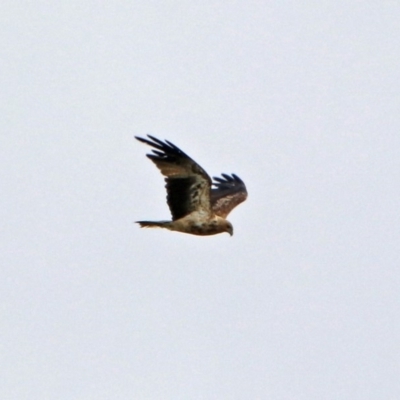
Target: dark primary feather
[168,151]
[228,192]
[188,185]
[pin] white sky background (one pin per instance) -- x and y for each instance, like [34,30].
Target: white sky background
[302,101]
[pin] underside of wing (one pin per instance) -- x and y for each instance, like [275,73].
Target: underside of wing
[227,193]
[188,185]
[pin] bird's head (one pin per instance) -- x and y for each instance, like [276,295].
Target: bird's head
[229,228]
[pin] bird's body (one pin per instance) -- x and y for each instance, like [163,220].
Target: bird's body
[196,207]
[195,223]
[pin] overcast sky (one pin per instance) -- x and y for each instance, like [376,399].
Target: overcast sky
[301,100]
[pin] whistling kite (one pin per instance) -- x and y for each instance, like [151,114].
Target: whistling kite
[196,207]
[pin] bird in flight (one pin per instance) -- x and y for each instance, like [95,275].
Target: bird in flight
[198,205]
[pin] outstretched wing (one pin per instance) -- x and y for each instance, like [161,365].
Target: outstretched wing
[188,185]
[229,191]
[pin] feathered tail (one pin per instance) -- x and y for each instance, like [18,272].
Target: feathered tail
[154,224]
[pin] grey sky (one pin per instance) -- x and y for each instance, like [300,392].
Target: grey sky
[301,100]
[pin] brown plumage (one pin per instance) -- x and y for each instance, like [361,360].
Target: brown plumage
[196,207]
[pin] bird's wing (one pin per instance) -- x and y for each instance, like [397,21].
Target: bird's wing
[227,193]
[188,185]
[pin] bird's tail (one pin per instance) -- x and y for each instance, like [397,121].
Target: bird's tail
[153,224]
